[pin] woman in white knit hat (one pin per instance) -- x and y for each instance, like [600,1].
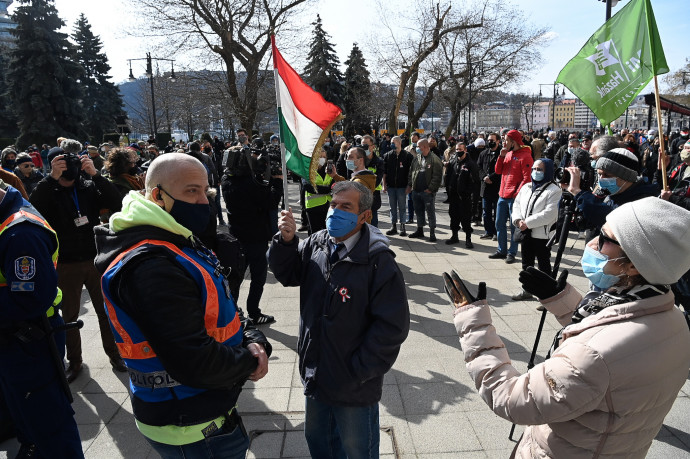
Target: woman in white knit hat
[616,367]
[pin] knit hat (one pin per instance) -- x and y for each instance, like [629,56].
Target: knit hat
[22,158]
[479,143]
[655,235]
[515,136]
[620,163]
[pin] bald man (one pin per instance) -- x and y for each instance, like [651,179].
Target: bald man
[175,321]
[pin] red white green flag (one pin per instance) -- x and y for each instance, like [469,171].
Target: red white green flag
[305,117]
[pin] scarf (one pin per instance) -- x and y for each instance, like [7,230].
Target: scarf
[595,302]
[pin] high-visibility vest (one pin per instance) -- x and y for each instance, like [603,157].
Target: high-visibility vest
[380,185]
[31,215]
[316,199]
[149,381]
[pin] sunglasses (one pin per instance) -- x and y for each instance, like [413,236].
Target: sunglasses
[604,238]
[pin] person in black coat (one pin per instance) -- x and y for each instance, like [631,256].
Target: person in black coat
[461,176]
[490,184]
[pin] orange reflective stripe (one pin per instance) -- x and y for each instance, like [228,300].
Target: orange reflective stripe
[23,213]
[143,350]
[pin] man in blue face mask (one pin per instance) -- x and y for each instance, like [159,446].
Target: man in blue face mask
[187,351]
[354,317]
[619,183]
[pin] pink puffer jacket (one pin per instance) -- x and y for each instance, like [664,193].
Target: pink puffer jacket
[603,393]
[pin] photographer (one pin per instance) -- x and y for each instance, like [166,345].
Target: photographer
[617,171]
[248,201]
[616,367]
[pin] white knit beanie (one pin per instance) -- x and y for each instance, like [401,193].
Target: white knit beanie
[479,142]
[655,235]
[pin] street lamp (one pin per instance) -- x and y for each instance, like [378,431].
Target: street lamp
[149,74]
[555,92]
[609,4]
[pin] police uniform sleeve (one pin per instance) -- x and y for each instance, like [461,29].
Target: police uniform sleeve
[166,305]
[31,279]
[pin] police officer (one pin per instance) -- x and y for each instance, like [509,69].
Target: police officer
[31,373]
[177,325]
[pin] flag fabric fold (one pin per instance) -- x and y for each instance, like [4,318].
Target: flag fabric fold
[617,62]
[305,118]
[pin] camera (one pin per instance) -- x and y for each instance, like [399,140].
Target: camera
[586,177]
[72,160]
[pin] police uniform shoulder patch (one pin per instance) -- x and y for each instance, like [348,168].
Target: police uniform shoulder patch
[24,268]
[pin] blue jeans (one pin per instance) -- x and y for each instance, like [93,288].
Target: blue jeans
[488,212]
[231,445]
[341,432]
[503,210]
[425,202]
[396,201]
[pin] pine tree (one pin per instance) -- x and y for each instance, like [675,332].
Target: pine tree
[8,119]
[322,72]
[42,77]
[102,101]
[357,94]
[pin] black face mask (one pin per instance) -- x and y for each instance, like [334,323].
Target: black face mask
[492,144]
[10,163]
[194,217]
[71,173]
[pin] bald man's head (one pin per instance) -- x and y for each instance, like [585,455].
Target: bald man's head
[170,169]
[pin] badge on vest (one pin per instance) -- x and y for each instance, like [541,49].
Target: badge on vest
[81,221]
[22,287]
[343,293]
[24,268]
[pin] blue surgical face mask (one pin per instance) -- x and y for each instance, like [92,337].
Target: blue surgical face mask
[340,222]
[537,176]
[593,163]
[609,184]
[418,150]
[350,164]
[194,217]
[593,263]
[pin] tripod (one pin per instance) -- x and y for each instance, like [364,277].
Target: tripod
[562,238]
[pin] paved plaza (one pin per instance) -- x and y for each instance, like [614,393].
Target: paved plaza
[429,409]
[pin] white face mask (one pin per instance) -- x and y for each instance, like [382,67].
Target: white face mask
[322,161]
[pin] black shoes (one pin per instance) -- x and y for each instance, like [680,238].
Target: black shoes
[392,231]
[453,240]
[498,256]
[263,319]
[419,234]
[485,236]
[510,259]
[432,236]
[402,230]
[118,364]
[468,243]
[73,371]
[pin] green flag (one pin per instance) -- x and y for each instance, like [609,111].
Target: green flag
[617,62]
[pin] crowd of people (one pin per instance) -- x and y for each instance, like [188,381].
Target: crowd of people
[188,346]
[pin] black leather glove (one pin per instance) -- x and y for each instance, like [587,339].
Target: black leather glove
[251,334]
[540,284]
[457,291]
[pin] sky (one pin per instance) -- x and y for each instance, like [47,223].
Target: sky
[571,23]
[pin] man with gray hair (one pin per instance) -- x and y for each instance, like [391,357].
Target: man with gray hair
[354,317]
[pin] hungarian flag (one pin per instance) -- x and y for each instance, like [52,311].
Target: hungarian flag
[305,118]
[617,62]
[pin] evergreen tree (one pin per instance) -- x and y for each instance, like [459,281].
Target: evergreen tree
[42,76]
[8,119]
[357,94]
[102,101]
[322,72]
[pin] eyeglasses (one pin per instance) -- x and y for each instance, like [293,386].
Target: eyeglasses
[604,238]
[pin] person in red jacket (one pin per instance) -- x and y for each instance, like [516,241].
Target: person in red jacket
[515,166]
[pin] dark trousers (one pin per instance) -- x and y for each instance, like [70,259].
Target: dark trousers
[302,206]
[317,217]
[476,204]
[410,207]
[255,256]
[71,278]
[489,214]
[460,211]
[32,396]
[531,248]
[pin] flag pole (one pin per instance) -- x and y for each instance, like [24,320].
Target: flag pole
[286,201]
[662,152]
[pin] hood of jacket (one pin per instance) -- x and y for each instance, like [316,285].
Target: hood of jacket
[367,177]
[139,219]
